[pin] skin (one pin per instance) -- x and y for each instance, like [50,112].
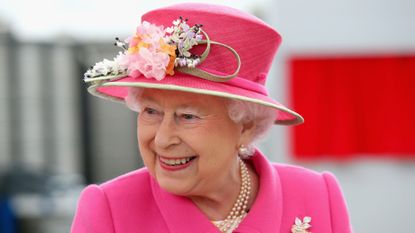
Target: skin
[174,124]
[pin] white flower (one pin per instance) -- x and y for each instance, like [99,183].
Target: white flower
[108,67]
[199,37]
[169,30]
[190,63]
[301,226]
[177,22]
[89,74]
[102,67]
[121,62]
[307,219]
[185,27]
[186,53]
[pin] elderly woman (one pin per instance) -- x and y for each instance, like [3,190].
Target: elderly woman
[195,73]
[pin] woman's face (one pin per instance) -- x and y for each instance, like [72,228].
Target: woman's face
[187,141]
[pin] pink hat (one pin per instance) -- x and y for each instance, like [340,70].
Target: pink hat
[193,47]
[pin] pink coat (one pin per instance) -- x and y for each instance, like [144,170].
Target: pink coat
[134,203]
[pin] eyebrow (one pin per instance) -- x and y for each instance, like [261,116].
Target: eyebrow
[187,107]
[148,99]
[190,105]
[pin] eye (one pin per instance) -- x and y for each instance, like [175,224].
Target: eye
[187,116]
[150,111]
[150,114]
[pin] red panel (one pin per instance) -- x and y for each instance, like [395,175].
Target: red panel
[354,106]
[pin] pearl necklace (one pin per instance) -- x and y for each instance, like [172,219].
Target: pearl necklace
[239,209]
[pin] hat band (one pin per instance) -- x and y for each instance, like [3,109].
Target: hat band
[247,84]
[210,76]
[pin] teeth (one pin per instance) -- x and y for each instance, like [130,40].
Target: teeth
[173,162]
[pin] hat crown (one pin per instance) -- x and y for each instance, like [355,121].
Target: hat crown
[254,40]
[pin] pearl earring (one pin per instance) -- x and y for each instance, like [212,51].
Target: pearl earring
[246,152]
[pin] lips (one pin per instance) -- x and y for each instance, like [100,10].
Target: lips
[175,163]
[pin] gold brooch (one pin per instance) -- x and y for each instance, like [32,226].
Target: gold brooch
[301,226]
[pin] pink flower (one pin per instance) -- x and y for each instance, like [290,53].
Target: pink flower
[135,74]
[152,53]
[149,63]
[150,33]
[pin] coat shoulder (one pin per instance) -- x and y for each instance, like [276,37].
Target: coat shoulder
[315,194]
[122,203]
[132,189]
[134,181]
[305,184]
[294,171]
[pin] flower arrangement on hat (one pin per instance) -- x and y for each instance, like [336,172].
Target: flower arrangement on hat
[153,51]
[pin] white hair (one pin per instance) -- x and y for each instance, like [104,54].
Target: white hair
[261,116]
[239,111]
[132,99]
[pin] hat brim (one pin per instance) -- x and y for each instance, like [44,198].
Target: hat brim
[117,90]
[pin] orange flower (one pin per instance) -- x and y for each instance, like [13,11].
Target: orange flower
[171,51]
[170,66]
[137,43]
[166,48]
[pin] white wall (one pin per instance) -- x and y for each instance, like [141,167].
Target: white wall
[379,192]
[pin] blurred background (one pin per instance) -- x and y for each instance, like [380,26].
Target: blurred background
[347,65]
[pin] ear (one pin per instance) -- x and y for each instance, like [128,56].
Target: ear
[247,133]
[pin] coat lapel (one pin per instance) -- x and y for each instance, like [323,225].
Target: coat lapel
[180,214]
[266,213]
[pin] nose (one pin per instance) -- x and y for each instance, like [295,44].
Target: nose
[166,135]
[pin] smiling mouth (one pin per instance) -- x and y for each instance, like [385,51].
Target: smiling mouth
[176,162]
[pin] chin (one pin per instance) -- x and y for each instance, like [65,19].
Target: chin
[177,188]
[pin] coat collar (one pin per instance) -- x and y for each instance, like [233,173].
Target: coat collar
[266,213]
[180,213]
[182,216]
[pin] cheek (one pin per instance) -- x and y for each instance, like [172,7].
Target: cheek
[215,143]
[144,137]
[226,134]
[145,133]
